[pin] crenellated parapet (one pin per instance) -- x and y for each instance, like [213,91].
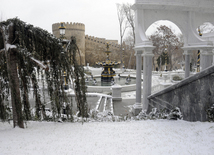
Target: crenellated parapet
[69,26]
[102,41]
[71,29]
[95,39]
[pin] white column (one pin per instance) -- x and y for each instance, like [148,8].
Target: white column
[142,44]
[187,54]
[137,107]
[206,58]
[138,76]
[213,57]
[147,75]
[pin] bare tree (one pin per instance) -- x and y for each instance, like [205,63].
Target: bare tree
[130,39]
[166,44]
[129,13]
[123,26]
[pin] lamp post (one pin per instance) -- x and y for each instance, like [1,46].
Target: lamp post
[123,67]
[65,81]
[165,51]
[62,33]
[62,30]
[198,61]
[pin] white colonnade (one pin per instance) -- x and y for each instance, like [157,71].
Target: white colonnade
[187,15]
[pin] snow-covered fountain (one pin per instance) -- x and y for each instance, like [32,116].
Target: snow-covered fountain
[100,87]
[108,73]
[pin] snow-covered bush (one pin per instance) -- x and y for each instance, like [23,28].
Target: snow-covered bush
[96,116]
[162,114]
[8,113]
[153,114]
[175,114]
[210,113]
[101,116]
[142,115]
[108,116]
[105,116]
[177,78]
[93,114]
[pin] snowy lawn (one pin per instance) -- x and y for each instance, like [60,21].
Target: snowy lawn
[159,137]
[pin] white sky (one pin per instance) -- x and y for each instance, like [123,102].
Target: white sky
[99,16]
[152,28]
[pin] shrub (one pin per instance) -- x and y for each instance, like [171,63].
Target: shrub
[210,113]
[177,78]
[153,114]
[175,114]
[142,115]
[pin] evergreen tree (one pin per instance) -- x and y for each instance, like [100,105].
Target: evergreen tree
[78,74]
[24,51]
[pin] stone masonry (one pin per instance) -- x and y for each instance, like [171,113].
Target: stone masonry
[91,48]
[193,95]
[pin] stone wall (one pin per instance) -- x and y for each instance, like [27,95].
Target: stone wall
[95,48]
[193,95]
[92,48]
[73,29]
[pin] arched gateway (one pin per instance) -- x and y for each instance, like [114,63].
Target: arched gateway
[187,15]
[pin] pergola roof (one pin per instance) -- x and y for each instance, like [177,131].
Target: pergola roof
[205,6]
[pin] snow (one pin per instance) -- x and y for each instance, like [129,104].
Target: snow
[9,46]
[113,138]
[39,63]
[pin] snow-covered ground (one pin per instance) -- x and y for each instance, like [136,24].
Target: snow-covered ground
[150,137]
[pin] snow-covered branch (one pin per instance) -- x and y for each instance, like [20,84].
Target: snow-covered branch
[9,46]
[2,50]
[39,63]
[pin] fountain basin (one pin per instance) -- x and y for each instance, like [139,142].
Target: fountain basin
[108,88]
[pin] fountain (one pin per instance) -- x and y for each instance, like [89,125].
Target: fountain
[108,73]
[107,80]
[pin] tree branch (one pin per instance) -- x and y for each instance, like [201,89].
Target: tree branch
[39,63]
[2,50]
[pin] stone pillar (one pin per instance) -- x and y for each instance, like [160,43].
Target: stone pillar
[187,62]
[147,75]
[116,92]
[137,107]
[206,58]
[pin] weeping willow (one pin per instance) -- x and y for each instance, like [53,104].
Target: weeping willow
[27,51]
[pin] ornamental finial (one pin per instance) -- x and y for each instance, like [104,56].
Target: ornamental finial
[107,46]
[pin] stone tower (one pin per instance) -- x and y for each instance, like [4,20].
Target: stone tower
[73,29]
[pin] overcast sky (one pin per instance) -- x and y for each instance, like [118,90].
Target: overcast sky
[99,16]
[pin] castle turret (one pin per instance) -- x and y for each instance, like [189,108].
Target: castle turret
[73,29]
